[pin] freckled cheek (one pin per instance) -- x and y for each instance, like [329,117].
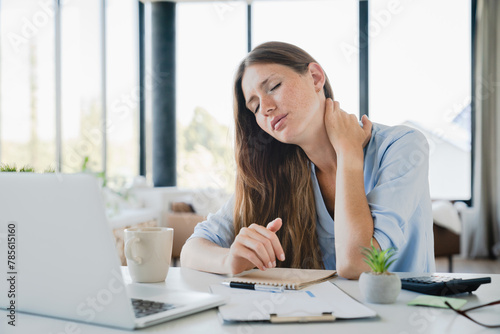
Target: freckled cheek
[299,99]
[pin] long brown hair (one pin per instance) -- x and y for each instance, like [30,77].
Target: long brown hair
[274,179]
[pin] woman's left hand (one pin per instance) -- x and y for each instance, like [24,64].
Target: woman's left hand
[343,129]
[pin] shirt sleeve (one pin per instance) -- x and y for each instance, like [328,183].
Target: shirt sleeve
[401,193]
[218,228]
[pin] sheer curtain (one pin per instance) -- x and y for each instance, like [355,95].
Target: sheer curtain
[483,237]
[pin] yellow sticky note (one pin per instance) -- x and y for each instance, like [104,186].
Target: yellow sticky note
[437,301]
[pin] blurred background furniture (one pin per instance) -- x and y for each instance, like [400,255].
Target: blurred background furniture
[446,243]
[180,209]
[183,220]
[447,228]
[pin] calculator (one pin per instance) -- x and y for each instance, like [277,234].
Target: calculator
[439,285]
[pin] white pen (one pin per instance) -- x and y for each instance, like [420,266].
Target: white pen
[256,287]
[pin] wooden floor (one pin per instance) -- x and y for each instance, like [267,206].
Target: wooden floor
[461,265]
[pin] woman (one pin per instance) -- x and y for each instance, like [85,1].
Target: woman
[313,185]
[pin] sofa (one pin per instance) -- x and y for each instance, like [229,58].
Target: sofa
[183,219]
[447,229]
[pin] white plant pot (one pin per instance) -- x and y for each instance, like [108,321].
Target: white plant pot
[380,289]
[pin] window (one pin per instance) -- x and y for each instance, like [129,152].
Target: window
[81,115]
[420,75]
[211,41]
[27,87]
[123,88]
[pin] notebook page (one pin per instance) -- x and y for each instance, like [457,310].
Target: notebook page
[290,278]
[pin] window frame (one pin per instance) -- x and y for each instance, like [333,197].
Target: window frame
[363,78]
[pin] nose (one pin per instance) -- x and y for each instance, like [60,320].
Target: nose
[267,105]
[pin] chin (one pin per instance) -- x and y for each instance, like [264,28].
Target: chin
[286,138]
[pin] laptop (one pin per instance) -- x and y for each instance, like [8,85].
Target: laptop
[65,263]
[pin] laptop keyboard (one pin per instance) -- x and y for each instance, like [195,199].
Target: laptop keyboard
[143,307]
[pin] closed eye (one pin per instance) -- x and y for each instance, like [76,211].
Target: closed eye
[275,86]
[256,109]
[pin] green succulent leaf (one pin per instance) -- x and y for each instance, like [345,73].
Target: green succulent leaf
[378,260]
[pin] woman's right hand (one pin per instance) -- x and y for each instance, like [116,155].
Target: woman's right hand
[255,246]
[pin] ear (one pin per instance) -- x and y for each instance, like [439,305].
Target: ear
[317,75]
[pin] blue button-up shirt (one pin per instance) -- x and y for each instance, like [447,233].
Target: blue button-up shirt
[396,164]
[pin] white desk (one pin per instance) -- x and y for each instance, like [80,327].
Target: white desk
[394,318]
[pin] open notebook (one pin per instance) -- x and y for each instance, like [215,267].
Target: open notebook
[289,278]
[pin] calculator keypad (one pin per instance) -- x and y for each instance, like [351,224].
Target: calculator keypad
[442,285]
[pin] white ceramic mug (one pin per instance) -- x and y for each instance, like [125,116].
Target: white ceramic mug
[148,251]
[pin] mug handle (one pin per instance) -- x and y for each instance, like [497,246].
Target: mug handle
[128,250]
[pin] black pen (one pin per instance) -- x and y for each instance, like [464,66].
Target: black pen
[256,287]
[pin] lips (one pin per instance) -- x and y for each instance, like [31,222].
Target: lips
[276,120]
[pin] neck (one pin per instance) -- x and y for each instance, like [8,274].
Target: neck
[321,152]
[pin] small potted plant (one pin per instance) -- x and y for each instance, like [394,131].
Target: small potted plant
[379,286]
